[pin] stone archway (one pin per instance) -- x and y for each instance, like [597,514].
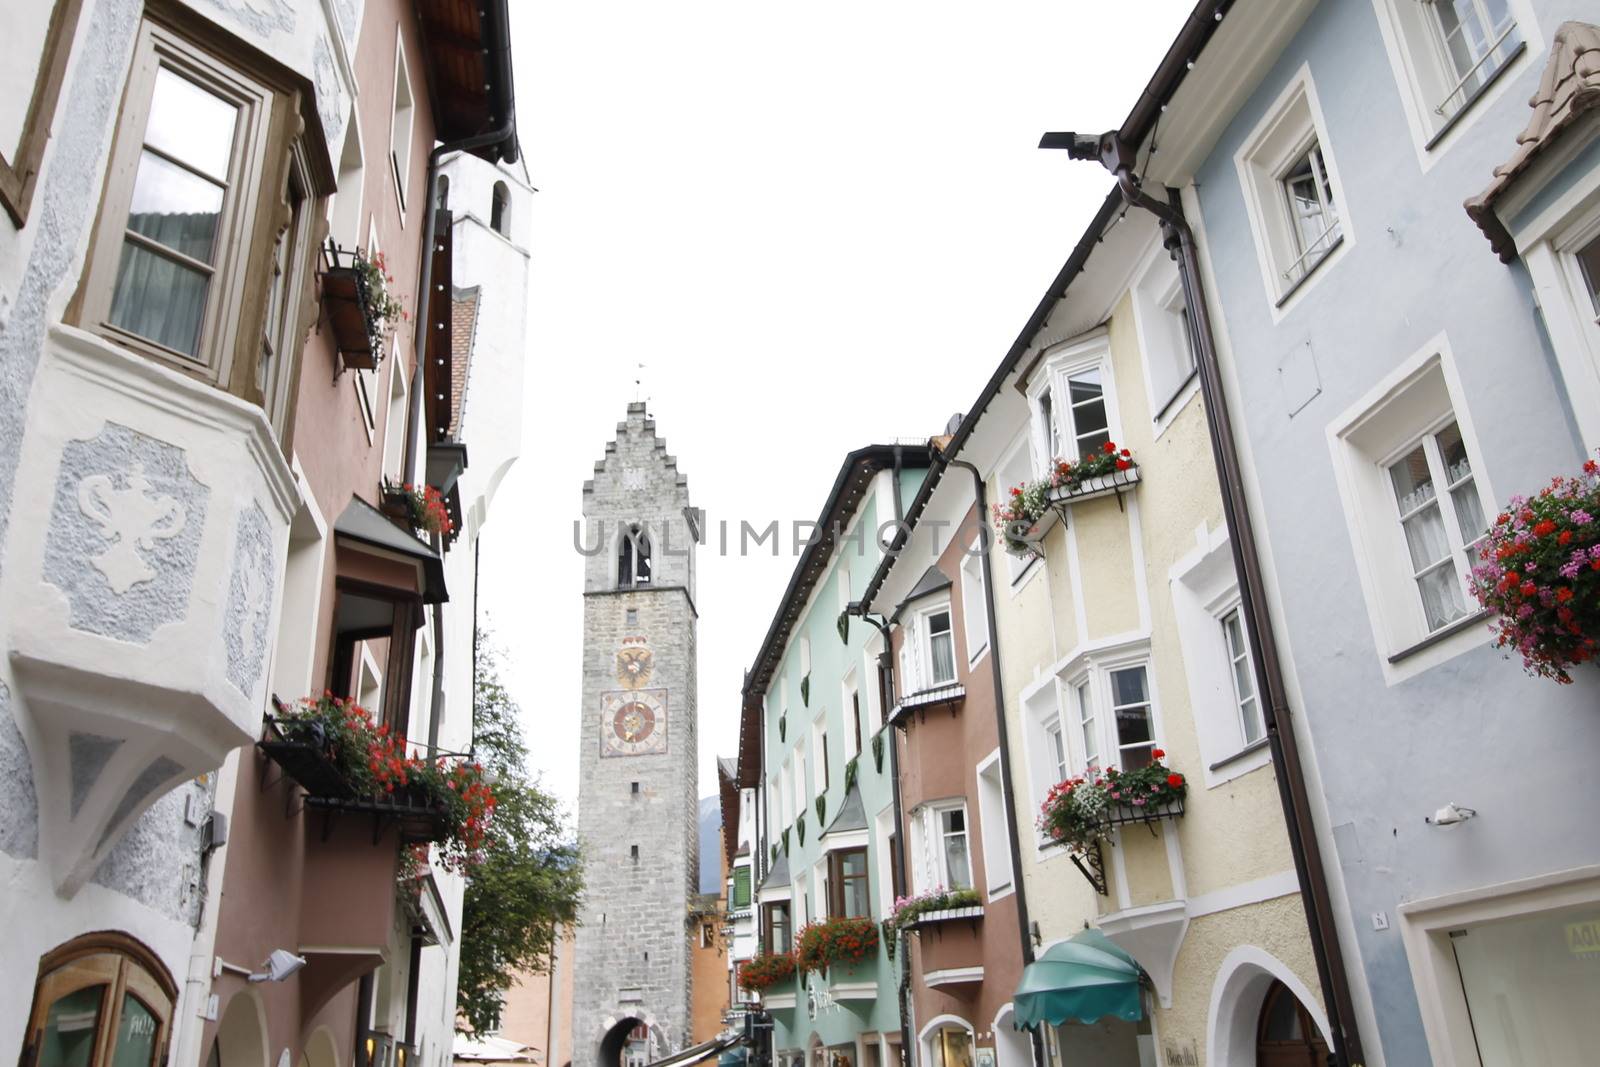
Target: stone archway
[1243,981]
[626,1044]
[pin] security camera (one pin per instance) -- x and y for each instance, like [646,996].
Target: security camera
[1450,815]
[280,965]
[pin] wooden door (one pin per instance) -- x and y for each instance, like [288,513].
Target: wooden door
[1286,1035]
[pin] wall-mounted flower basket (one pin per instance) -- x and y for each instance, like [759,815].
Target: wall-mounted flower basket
[1032,509]
[836,942]
[1540,570]
[420,508]
[1082,813]
[304,752]
[765,970]
[359,303]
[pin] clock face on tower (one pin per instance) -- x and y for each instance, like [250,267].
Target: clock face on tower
[633,722]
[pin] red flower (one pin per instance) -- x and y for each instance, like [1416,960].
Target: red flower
[1564,594]
[1544,528]
[1174,780]
[1157,753]
[1123,464]
[1126,454]
[1566,537]
[1109,447]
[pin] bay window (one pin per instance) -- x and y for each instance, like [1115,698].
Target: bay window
[1130,709]
[1069,394]
[193,207]
[776,926]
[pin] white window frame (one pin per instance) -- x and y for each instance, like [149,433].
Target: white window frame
[1549,245]
[1088,352]
[344,206]
[932,871]
[400,139]
[1161,321]
[1425,927]
[883,830]
[1420,395]
[992,819]
[974,604]
[1018,570]
[849,693]
[1459,540]
[923,636]
[801,780]
[819,765]
[1412,42]
[1292,124]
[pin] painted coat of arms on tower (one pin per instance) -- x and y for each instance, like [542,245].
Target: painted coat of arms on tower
[634,662]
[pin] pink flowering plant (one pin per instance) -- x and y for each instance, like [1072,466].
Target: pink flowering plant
[1076,813]
[908,910]
[1025,504]
[1539,568]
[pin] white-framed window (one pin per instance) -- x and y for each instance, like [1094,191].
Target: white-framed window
[1165,337]
[1442,518]
[1015,469]
[344,208]
[883,828]
[1086,725]
[943,846]
[974,606]
[1292,192]
[1226,704]
[819,734]
[1561,248]
[1070,394]
[1236,644]
[1132,716]
[938,640]
[855,715]
[1504,973]
[1056,749]
[992,818]
[1447,53]
[801,781]
[394,425]
[1416,502]
[401,118]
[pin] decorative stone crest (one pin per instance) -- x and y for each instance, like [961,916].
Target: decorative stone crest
[132,520]
[634,663]
[249,606]
[125,529]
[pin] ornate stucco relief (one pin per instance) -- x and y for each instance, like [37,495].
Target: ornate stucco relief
[70,191]
[325,77]
[124,535]
[261,17]
[19,830]
[249,607]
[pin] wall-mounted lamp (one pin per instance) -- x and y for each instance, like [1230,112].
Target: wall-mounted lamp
[1450,815]
[279,966]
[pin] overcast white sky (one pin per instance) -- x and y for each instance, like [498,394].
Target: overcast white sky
[818,225]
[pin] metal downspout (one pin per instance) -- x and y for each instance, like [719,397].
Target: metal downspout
[1007,792]
[886,664]
[1290,774]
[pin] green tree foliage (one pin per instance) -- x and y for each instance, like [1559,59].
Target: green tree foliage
[525,894]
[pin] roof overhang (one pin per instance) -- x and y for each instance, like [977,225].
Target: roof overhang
[466,46]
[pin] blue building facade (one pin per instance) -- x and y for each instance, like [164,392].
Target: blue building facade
[1399,369]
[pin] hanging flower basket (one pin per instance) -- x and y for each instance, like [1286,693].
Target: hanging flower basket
[1082,812]
[907,910]
[1539,568]
[422,506]
[359,303]
[1019,519]
[445,800]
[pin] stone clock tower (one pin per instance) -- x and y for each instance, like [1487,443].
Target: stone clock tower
[637,811]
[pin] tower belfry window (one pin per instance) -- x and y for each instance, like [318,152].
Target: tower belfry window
[633,557]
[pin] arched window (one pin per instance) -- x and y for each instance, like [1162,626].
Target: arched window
[102,1000]
[633,557]
[500,210]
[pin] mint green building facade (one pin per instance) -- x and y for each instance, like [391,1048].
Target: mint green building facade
[814,747]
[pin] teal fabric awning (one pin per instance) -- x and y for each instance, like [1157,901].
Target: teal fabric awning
[1081,980]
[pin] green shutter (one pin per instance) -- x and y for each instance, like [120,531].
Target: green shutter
[741,887]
